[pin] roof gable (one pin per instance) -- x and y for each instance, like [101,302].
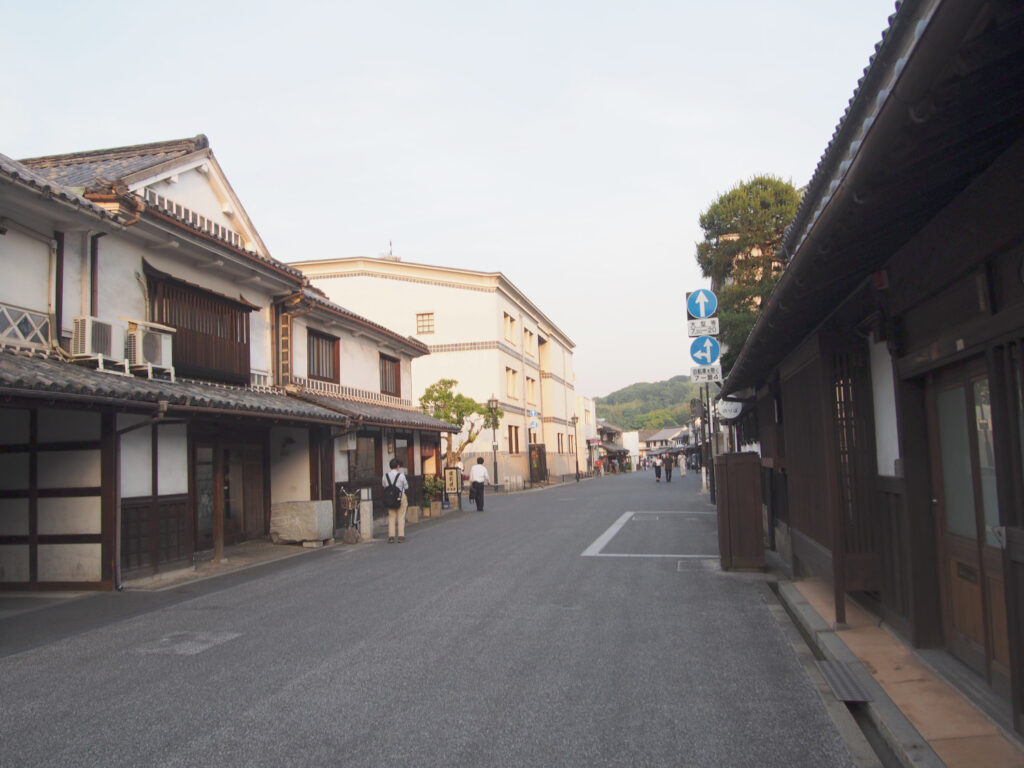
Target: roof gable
[86,170]
[181,178]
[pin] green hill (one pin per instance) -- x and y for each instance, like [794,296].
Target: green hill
[647,405]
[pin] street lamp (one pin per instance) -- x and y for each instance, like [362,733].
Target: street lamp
[492,406]
[576,444]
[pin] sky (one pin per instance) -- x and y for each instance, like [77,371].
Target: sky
[570,144]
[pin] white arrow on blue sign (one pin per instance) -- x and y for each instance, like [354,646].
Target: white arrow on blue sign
[701,303]
[705,350]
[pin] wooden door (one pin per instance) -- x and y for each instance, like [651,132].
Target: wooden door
[964,492]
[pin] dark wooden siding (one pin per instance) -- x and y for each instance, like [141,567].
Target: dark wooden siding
[154,532]
[212,333]
[806,453]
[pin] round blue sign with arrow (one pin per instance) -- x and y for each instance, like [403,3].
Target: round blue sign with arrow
[701,303]
[705,350]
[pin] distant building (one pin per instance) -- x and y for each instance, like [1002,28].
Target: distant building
[483,332]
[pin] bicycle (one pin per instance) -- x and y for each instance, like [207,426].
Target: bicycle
[348,503]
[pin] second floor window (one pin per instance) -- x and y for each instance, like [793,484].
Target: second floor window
[511,383]
[212,331]
[390,376]
[531,390]
[323,357]
[425,322]
[510,328]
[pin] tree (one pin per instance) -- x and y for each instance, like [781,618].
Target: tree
[740,252]
[441,401]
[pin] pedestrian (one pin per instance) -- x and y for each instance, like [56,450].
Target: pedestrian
[395,478]
[478,477]
[657,469]
[669,462]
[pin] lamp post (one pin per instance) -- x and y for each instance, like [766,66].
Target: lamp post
[576,444]
[492,406]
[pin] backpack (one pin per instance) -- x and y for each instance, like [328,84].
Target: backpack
[392,495]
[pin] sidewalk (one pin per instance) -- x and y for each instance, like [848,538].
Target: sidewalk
[925,720]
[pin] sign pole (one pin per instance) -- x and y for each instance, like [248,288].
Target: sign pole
[711,452]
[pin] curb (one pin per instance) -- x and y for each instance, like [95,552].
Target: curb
[898,732]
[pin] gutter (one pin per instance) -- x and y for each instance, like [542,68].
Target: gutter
[929,34]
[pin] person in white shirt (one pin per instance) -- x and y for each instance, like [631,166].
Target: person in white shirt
[397,515]
[478,477]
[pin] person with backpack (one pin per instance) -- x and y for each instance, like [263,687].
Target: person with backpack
[395,500]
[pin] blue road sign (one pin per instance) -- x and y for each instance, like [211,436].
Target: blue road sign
[701,303]
[705,350]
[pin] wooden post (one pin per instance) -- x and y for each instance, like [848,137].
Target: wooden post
[834,505]
[218,499]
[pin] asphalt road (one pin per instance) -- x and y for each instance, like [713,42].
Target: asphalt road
[581,625]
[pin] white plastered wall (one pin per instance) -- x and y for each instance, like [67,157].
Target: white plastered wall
[289,464]
[883,391]
[137,458]
[26,266]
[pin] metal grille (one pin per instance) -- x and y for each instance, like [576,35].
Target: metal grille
[842,681]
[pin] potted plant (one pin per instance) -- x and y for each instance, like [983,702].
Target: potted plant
[433,490]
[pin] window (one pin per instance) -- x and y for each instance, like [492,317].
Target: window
[529,340]
[511,383]
[531,390]
[510,328]
[561,443]
[513,439]
[572,443]
[212,331]
[532,435]
[323,357]
[390,376]
[425,322]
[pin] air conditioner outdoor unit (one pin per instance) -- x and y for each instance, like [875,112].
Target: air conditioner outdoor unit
[92,338]
[146,346]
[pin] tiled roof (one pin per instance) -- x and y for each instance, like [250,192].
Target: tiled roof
[30,376]
[379,415]
[14,171]
[87,169]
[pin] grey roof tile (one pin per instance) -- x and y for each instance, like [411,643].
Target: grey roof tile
[379,414]
[30,376]
[103,166]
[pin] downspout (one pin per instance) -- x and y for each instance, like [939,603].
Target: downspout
[526,411]
[58,289]
[94,275]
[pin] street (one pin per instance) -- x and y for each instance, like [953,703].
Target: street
[579,625]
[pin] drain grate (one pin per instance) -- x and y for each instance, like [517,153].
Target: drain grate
[841,680]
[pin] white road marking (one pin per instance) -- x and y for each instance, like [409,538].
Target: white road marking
[187,643]
[594,550]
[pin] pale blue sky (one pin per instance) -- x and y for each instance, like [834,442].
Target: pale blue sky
[570,145]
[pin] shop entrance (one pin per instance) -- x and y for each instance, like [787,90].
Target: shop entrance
[240,464]
[964,493]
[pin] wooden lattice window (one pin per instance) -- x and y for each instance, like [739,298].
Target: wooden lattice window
[212,331]
[390,376]
[323,357]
